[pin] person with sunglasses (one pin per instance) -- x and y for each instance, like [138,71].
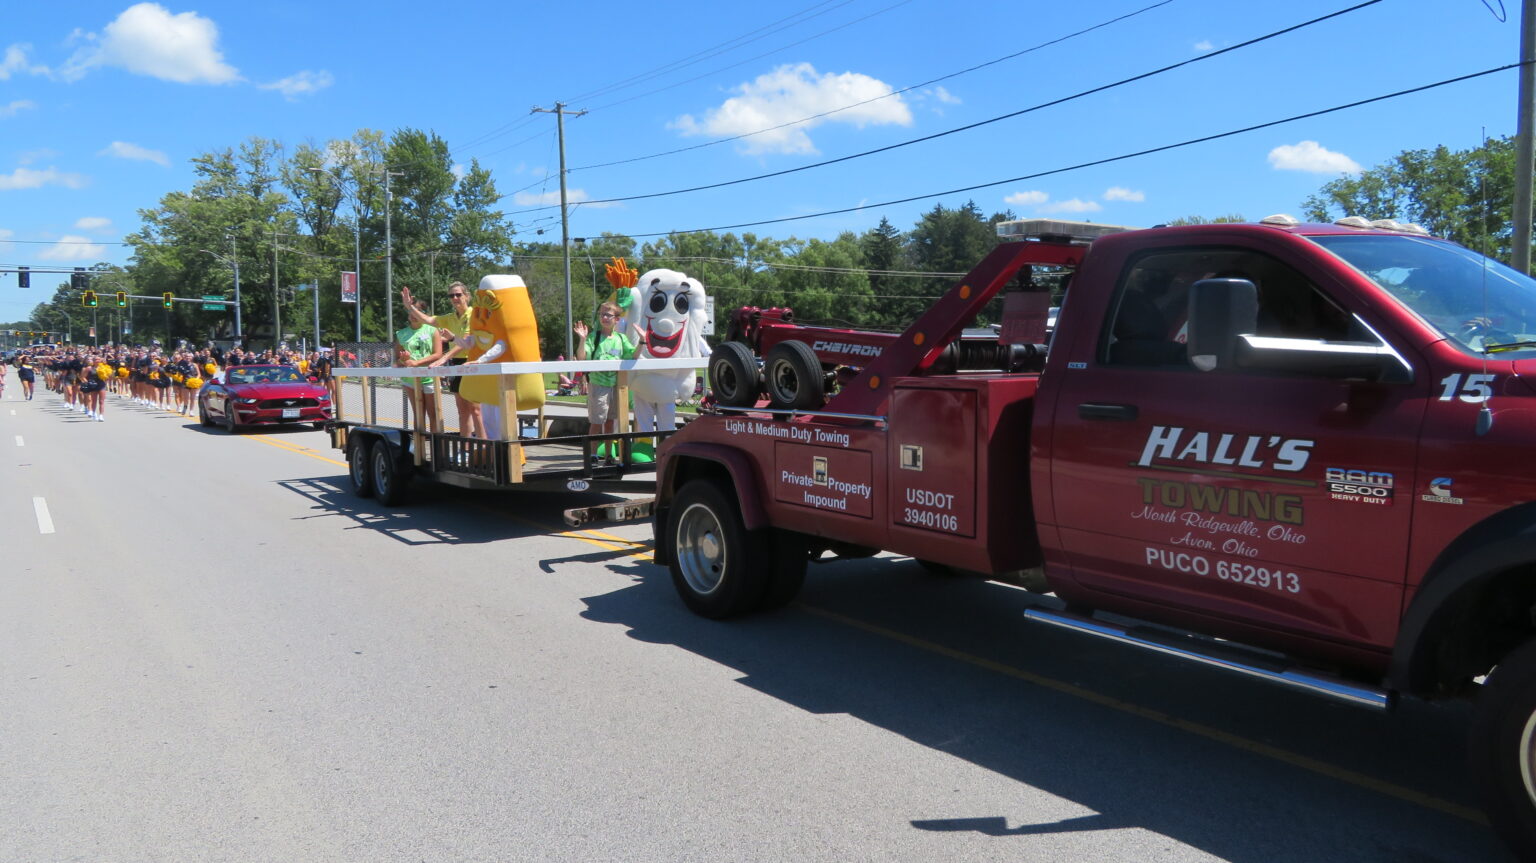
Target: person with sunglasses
[606,344]
[454,329]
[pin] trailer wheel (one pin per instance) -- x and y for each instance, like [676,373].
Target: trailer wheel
[720,568]
[733,375]
[792,376]
[388,479]
[1503,748]
[358,470]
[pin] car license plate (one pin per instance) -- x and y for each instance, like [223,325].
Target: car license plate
[290,413]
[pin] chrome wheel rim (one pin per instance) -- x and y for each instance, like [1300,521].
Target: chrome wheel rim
[1527,755]
[700,549]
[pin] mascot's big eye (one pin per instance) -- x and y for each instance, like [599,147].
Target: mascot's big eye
[681,304]
[658,302]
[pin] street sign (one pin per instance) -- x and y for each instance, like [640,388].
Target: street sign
[207,307]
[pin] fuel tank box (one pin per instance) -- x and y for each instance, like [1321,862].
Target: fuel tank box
[958,450]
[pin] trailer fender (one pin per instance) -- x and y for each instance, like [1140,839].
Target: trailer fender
[685,460]
[398,440]
[1445,633]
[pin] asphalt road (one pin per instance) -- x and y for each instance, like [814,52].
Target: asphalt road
[217,653]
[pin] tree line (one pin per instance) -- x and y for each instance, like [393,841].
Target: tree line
[299,217]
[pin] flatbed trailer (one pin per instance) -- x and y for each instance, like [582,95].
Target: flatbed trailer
[530,450]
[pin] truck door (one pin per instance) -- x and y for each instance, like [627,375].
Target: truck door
[1282,500]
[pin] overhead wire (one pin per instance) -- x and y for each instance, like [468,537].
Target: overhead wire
[1096,162]
[980,123]
[1058,40]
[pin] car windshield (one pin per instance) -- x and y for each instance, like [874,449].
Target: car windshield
[1478,303]
[264,375]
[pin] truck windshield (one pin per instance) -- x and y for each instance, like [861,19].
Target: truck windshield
[1478,303]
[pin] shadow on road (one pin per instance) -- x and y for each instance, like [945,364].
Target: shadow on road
[1143,742]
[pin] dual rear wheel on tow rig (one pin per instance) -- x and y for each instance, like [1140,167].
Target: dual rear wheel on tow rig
[791,376]
[719,567]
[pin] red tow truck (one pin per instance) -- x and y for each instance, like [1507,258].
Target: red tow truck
[1302,452]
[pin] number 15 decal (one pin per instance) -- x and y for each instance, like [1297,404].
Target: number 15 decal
[1477,389]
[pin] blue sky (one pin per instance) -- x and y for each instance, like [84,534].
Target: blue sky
[102,104]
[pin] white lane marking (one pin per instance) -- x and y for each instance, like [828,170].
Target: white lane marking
[19,441]
[44,521]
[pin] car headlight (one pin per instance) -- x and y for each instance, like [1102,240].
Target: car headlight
[323,397]
[247,401]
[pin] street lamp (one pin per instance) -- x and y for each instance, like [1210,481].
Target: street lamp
[233,262]
[357,242]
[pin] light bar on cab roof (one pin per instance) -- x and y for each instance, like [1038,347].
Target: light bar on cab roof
[1056,230]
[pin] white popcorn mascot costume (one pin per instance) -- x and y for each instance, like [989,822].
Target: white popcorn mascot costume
[666,318]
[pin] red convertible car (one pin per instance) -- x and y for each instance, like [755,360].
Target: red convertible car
[242,396]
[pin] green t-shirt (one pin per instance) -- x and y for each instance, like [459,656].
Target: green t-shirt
[418,343]
[612,347]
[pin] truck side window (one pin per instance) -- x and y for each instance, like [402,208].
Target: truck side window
[1147,322]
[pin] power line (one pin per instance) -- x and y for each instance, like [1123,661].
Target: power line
[907,89]
[1096,162]
[900,144]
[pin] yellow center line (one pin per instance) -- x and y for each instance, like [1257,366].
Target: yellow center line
[284,445]
[1252,746]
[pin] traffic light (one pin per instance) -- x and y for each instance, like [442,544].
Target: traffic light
[122,299]
[23,277]
[166,298]
[78,279]
[88,299]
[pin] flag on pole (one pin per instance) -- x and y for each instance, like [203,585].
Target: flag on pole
[349,287]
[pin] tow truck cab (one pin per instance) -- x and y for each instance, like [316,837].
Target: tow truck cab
[1312,439]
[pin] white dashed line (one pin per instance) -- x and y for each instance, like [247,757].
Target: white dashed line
[19,441]
[44,520]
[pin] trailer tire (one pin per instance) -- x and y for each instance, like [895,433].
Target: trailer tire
[733,375]
[1503,748]
[793,378]
[719,568]
[358,470]
[388,479]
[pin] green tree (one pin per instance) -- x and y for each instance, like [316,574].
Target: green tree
[1462,195]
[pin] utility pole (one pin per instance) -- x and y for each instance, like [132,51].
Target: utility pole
[277,321]
[389,260]
[234,259]
[1524,151]
[565,224]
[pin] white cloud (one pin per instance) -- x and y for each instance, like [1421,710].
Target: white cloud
[789,93]
[546,199]
[93,223]
[16,107]
[1204,45]
[6,234]
[146,39]
[945,96]
[1075,205]
[31,156]
[458,170]
[1311,157]
[1027,199]
[1120,193]
[73,248]
[15,62]
[26,178]
[125,150]
[301,84]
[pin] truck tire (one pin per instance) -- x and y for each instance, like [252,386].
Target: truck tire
[1503,748]
[733,375]
[388,478]
[358,470]
[719,568]
[792,376]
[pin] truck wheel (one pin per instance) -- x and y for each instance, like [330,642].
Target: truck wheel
[792,377]
[733,375]
[720,568]
[358,470]
[388,479]
[1503,750]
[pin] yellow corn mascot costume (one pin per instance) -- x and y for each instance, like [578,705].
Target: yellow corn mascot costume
[502,329]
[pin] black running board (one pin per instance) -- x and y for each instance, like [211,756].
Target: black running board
[1220,655]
